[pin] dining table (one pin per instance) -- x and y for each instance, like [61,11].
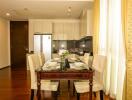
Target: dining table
[71,72]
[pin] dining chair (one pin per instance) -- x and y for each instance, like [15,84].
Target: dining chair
[82,86]
[46,85]
[74,56]
[55,55]
[41,58]
[85,58]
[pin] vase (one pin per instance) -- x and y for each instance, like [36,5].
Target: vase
[62,64]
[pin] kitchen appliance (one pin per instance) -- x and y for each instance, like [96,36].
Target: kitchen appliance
[42,43]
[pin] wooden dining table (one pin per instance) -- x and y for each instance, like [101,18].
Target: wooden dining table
[67,74]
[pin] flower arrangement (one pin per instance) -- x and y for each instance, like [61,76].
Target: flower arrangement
[63,53]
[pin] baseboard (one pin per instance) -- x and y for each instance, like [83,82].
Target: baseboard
[4,67]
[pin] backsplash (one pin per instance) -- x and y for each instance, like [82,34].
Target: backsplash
[74,46]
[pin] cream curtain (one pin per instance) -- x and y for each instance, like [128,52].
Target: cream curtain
[124,7]
[111,43]
[96,25]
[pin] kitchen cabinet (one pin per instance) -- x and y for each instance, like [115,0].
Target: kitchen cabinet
[58,31]
[86,23]
[41,26]
[66,31]
[76,34]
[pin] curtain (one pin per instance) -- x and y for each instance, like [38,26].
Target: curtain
[124,5]
[111,43]
[96,25]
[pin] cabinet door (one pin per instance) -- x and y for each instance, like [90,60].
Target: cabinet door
[89,22]
[76,31]
[82,27]
[37,26]
[58,31]
[67,31]
[47,27]
[54,36]
[43,27]
[83,24]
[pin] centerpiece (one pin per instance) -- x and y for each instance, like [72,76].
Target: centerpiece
[63,55]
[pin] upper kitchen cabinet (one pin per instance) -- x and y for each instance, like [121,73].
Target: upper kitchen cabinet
[71,31]
[57,31]
[66,30]
[86,23]
[76,32]
[41,26]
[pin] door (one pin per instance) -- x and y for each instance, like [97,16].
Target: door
[18,42]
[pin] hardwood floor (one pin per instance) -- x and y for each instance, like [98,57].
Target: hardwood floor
[15,85]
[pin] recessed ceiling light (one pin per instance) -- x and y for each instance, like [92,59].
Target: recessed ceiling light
[69,9]
[26,9]
[7,14]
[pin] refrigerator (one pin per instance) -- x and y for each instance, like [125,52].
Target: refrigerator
[42,43]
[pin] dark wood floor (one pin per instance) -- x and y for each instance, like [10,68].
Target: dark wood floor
[15,85]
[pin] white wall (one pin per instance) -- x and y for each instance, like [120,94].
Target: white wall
[4,43]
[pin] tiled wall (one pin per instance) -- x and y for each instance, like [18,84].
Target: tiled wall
[74,46]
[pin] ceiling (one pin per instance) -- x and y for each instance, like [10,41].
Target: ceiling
[43,9]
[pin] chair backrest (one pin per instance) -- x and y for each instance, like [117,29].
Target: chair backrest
[41,58]
[99,64]
[36,61]
[72,56]
[90,61]
[32,70]
[55,55]
[86,58]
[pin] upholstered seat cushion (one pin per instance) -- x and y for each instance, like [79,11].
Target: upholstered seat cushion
[46,85]
[82,86]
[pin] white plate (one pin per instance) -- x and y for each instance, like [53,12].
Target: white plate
[51,68]
[56,59]
[79,64]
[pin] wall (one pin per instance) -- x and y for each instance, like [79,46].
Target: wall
[4,43]
[129,48]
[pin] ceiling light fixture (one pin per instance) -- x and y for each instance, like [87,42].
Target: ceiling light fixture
[69,9]
[26,9]
[7,14]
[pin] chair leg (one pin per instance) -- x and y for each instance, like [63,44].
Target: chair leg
[101,95]
[55,95]
[94,94]
[68,85]
[78,96]
[43,96]
[32,94]
[73,89]
[58,90]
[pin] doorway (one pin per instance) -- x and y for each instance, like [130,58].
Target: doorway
[18,42]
